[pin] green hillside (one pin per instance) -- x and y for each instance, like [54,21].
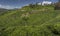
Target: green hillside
[37,21]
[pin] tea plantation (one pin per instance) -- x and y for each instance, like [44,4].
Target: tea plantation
[38,21]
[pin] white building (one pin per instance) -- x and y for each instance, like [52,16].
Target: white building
[39,3]
[46,3]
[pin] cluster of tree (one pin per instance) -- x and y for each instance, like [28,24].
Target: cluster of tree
[57,5]
[33,5]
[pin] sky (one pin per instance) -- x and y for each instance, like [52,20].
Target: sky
[10,4]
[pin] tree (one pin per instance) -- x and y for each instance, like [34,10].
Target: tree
[31,5]
[59,0]
[57,5]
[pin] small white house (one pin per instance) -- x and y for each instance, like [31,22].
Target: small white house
[46,3]
[39,3]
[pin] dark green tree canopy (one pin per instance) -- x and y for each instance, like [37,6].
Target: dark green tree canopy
[59,0]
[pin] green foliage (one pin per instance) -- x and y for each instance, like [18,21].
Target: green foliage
[39,21]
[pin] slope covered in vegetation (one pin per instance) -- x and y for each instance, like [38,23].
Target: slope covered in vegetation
[44,21]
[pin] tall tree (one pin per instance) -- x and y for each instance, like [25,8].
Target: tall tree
[59,0]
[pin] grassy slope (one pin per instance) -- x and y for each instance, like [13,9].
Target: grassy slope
[44,22]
